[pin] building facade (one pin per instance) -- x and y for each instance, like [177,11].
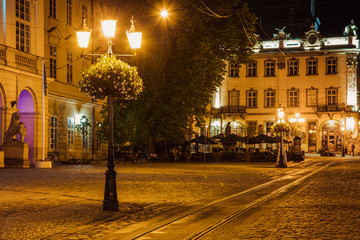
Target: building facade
[314,79]
[67,104]
[34,34]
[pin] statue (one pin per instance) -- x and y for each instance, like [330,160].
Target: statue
[16,127]
[227,129]
[281,35]
[350,30]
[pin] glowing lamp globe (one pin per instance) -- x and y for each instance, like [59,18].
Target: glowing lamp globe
[83,35]
[108,28]
[134,39]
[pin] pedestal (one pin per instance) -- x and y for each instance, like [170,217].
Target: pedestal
[2,164]
[43,164]
[16,155]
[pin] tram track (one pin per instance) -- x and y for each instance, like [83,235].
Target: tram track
[200,221]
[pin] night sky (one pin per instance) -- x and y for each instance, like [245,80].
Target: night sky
[334,15]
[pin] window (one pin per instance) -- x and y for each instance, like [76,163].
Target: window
[22,37]
[331,65]
[331,96]
[268,126]
[251,98]
[251,69]
[311,97]
[70,133]
[234,100]
[84,11]
[22,9]
[53,133]
[311,64]
[52,61]
[233,70]
[69,68]
[293,97]
[216,98]
[269,68]
[68,12]
[293,67]
[52,8]
[269,98]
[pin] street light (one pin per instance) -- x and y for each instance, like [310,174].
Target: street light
[281,160]
[110,202]
[343,142]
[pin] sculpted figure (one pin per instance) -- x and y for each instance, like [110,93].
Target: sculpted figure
[15,127]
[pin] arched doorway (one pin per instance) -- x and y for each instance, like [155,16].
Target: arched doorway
[331,138]
[2,130]
[27,112]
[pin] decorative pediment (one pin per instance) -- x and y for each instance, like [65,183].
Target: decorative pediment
[312,39]
[54,36]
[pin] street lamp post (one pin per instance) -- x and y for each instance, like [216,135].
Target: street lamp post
[281,160]
[110,202]
[343,142]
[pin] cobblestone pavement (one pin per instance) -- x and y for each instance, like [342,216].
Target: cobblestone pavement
[327,206]
[65,202]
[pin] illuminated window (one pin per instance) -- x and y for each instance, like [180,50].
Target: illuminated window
[269,98]
[251,98]
[251,69]
[52,6]
[68,12]
[311,64]
[69,68]
[293,67]
[293,98]
[53,133]
[53,61]
[216,98]
[269,68]
[70,133]
[331,65]
[268,126]
[22,9]
[234,100]
[22,37]
[233,70]
[331,96]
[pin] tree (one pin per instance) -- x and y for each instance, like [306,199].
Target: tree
[82,128]
[182,64]
[110,75]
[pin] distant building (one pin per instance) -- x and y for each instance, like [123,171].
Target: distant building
[315,76]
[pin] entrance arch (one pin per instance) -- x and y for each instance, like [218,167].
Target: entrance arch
[26,108]
[2,130]
[331,136]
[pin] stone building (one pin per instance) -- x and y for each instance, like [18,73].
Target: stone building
[315,79]
[33,32]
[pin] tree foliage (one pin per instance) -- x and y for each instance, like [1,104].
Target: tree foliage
[182,62]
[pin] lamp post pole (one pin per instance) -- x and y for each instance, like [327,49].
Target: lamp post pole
[110,202]
[343,142]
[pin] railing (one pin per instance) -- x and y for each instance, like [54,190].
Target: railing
[3,55]
[331,108]
[14,58]
[229,109]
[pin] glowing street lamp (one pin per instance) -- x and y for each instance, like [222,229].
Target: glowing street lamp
[164,13]
[110,202]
